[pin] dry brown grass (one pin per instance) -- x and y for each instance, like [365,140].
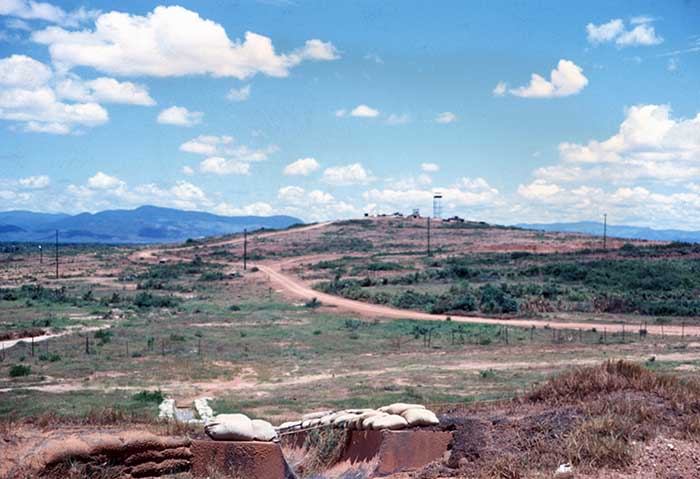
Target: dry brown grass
[583,384]
[324,448]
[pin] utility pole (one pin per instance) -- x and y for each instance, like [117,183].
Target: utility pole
[605,231]
[429,253]
[41,255]
[245,249]
[56,254]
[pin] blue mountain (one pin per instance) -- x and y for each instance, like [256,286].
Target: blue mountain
[147,224]
[618,231]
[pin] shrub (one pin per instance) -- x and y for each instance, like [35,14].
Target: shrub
[148,300]
[149,396]
[495,299]
[313,303]
[104,336]
[19,370]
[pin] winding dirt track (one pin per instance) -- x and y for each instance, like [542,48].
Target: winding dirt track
[300,289]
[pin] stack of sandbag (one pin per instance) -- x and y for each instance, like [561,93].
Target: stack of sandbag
[393,417]
[239,427]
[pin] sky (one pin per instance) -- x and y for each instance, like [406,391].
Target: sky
[515,112]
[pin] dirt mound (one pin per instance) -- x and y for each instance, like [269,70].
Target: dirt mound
[618,417]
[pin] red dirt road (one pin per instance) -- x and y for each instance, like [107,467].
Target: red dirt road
[298,288]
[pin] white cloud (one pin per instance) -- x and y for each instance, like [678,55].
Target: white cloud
[538,190]
[222,166]
[500,89]
[33,10]
[605,32]
[302,167]
[395,119]
[314,205]
[643,33]
[345,175]
[430,167]
[35,182]
[567,79]
[364,111]
[446,117]
[180,116]
[188,170]
[104,90]
[206,144]
[103,181]
[467,192]
[649,144]
[241,94]
[341,113]
[672,65]
[225,156]
[21,71]
[259,208]
[172,41]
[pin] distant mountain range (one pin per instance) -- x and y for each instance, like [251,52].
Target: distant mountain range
[147,224]
[631,232]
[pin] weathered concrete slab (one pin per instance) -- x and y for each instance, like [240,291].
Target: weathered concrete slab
[240,459]
[397,451]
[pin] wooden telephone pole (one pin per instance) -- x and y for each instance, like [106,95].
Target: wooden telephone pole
[245,249]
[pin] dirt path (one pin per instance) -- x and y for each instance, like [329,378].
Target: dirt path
[298,288]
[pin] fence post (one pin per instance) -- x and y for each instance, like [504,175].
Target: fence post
[127,348]
[87,344]
[32,346]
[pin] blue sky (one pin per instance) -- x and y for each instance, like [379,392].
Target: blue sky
[330,109]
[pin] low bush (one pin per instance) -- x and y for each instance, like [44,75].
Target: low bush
[19,370]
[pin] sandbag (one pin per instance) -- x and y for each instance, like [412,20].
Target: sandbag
[230,427]
[399,407]
[263,430]
[315,415]
[420,417]
[391,421]
[342,419]
[289,425]
[368,423]
[327,419]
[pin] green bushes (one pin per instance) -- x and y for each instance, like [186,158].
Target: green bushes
[496,300]
[149,396]
[19,370]
[147,300]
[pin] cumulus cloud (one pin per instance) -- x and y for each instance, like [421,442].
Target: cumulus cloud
[500,89]
[314,204]
[565,80]
[32,10]
[354,174]
[206,144]
[259,208]
[430,167]
[222,166]
[35,182]
[642,34]
[188,170]
[179,116]
[103,181]
[650,144]
[446,117]
[364,111]
[240,94]
[33,94]
[39,110]
[538,190]
[466,192]
[172,41]
[302,167]
[105,191]
[224,156]
[104,90]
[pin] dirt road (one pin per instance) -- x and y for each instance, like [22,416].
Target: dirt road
[299,289]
